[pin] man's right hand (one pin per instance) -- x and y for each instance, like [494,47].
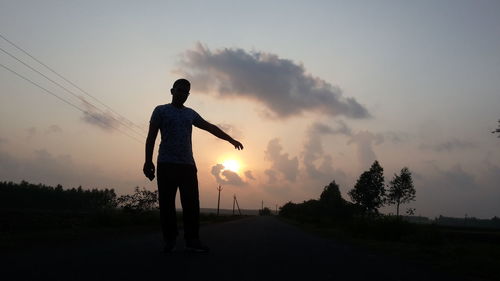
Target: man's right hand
[149,170]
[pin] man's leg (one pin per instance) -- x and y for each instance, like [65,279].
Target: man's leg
[188,189]
[167,189]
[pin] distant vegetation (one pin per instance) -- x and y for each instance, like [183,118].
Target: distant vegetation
[368,195]
[30,196]
[265,212]
[497,130]
[25,195]
[460,244]
[27,208]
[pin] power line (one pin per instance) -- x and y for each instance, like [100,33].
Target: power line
[65,101]
[68,81]
[67,90]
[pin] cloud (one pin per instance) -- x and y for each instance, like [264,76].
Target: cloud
[3,140]
[280,162]
[364,141]
[249,175]
[281,85]
[272,176]
[45,167]
[397,137]
[226,177]
[323,129]
[94,116]
[313,151]
[448,146]
[32,132]
[457,178]
[53,129]
[230,130]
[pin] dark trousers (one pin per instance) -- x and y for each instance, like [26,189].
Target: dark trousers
[182,176]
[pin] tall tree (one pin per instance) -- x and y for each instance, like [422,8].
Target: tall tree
[369,191]
[401,189]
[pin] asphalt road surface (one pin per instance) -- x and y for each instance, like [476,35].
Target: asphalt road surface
[256,248]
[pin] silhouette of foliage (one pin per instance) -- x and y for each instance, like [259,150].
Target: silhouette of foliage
[265,212]
[330,207]
[369,191]
[140,200]
[25,195]
[332,203]
[497,130]
[331,194]
[401,189]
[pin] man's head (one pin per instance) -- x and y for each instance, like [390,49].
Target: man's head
[180,91]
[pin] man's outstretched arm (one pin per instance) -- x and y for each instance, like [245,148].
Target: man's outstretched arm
[216,131]
[149,167]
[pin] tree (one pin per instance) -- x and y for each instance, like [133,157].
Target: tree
[331,195]
[497,130]
[265,212]
[369,191]
[401,189]
[141,200]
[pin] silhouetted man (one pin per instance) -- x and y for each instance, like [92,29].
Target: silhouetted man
[176,166]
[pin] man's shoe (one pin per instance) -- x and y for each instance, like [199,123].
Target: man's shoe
[196,246]
[169,246]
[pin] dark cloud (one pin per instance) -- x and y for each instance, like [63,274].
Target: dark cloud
[226,177]
[280,84]
[280,162]
[95,116]
[3,140]
[249,175]
[323,129]
[448,146]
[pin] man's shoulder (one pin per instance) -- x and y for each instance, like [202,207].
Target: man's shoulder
[161,108]
[189,109]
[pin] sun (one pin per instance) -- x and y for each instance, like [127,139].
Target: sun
[231,165]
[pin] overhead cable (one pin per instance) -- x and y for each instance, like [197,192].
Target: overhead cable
[67,102]
[73,84]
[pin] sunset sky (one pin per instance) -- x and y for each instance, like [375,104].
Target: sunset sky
[315,90]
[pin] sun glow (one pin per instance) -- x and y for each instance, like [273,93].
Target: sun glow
[231,165]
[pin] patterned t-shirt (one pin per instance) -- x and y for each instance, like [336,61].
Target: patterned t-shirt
[175,127]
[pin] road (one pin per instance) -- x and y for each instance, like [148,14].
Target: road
[256,248]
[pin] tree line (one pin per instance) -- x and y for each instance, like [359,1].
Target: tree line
[25,195]
[369,194]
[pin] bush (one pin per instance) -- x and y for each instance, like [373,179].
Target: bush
[140,201]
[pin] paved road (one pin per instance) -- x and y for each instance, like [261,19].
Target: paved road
[257,248]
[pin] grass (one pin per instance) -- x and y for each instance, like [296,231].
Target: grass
[21,229]
[464,251]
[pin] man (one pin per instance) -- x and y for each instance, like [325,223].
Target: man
[176,166]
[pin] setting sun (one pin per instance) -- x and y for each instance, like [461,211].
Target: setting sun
[231,165]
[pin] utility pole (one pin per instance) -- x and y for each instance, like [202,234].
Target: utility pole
[237,205]
[276,209]
[262,205]
[218,200]
[234,201]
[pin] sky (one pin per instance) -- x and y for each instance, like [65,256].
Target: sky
[315,90]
